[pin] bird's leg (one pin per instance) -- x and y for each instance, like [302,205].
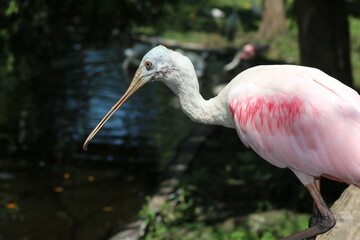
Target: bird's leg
[323,222]
[316,214]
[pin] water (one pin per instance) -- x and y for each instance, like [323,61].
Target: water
[49,187]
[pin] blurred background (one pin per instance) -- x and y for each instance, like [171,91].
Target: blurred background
[64,64]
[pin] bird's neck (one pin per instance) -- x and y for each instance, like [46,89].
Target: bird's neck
[214,111]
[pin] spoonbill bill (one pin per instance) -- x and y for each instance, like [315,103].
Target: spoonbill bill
[294,117]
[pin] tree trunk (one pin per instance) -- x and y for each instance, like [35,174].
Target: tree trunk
[347,214]
[324,37]
[273,20]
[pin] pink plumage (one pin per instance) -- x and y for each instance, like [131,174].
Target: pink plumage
[303,119]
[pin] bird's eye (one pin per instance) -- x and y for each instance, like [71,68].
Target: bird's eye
[148,65]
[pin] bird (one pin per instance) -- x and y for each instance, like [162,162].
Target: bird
[256,8]
[231,23]
[133,55]
[198,60]
[216,13]
[247,52]
[294,117]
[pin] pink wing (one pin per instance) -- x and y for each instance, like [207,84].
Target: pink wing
[312,130]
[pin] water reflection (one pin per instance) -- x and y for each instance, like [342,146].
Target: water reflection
[73,201]
[49,187]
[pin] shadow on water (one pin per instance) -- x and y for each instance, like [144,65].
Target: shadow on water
[49,187]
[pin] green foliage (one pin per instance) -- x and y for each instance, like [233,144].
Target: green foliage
[173,222]
[12,8]
[354,25]
[249,230]
[179,207]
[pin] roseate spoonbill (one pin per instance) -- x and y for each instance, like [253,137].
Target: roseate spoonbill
[294,117]
[198,60]
[248,51]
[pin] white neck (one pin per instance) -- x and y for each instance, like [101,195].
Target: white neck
[214,111]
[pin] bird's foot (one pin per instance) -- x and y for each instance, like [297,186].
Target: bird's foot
[321,221]
[320,224]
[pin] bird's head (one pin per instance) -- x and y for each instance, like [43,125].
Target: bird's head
[156,65]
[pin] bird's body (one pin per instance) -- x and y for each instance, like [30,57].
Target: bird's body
[299,118]
[294,117]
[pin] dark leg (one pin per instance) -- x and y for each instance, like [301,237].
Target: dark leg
[316,216]
[321,223]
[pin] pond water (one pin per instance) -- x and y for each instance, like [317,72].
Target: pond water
[49,187]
